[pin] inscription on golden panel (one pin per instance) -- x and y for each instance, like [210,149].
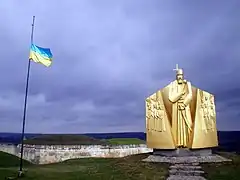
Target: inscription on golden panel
[182,113]
[155,115]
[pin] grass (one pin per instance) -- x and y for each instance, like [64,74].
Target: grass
[64,140]
[79,140]
[224,171]
[8,160]
[9,164]
[126,168]
[123,141]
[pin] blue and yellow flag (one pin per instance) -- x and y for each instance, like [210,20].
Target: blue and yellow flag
[41,55]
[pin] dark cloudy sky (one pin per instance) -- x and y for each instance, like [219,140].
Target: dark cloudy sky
[109,55]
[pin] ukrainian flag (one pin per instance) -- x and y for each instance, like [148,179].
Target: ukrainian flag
[41,55]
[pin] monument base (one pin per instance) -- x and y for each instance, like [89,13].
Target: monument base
[182,152]
[185,155]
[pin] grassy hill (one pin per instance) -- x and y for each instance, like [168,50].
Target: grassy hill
[79,140]
[122,141]
[64,140]
[9,164]
[91,169]
[8,160]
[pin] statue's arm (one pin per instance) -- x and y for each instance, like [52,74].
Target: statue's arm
[188,98]
[173,97]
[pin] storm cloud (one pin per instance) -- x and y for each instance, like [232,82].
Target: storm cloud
[109,56]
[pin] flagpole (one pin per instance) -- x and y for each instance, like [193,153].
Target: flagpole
[25,106]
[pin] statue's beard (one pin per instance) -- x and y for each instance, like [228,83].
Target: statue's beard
[180,81]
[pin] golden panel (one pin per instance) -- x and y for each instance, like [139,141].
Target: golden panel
[205,131]
[157,123]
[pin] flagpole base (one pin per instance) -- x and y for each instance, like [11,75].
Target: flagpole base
[20,174]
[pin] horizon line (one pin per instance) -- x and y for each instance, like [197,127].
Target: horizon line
[99,132]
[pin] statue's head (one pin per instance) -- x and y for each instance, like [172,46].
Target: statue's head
[179,76]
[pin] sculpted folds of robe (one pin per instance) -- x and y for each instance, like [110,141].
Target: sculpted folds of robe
[181,95]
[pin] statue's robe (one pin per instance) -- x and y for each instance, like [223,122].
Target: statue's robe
[181,118]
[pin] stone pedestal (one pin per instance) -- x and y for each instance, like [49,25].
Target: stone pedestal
[182,152]
[183,156]
[185,163]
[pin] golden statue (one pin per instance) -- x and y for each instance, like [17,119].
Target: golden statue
[181,116]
